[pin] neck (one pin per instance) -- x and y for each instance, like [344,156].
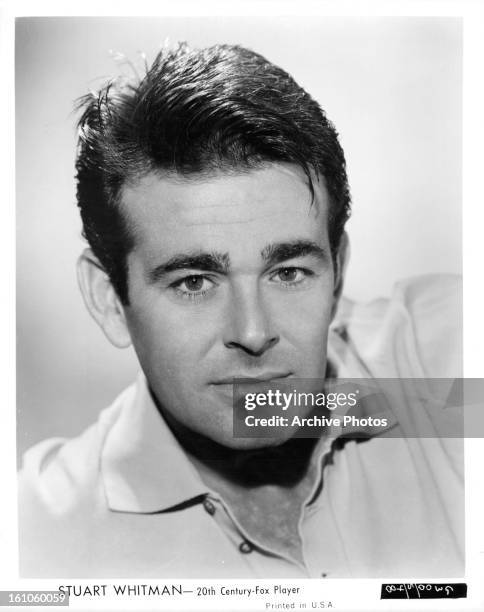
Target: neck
[284,465]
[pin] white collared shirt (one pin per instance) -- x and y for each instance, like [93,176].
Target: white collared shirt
[122,499]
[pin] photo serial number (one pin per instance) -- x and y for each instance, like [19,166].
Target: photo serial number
[33,598]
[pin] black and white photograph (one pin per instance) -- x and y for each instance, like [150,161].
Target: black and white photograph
[221,204]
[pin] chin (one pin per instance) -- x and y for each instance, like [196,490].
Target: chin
[251,443]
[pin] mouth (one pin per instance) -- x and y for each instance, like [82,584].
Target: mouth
[241,378]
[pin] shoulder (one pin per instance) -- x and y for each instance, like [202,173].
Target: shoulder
[416,332]
[61,494]
[57,472]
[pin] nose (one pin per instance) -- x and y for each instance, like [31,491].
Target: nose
[249,324]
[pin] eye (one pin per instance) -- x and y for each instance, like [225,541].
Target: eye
[288,275]
[193,283]
[193,286]
[291,275]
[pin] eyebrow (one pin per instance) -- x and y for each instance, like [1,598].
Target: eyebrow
[282,251]
[209,262]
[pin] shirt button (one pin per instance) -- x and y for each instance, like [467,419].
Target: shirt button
[245,547]
[209,507]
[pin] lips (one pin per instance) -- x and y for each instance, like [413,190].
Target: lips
[241,378]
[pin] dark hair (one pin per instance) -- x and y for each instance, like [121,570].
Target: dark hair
[196,112]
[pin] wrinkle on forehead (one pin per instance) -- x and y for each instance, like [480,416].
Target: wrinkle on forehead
[273,191]
[234,222]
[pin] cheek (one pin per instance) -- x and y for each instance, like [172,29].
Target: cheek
[166,337]
[306,318]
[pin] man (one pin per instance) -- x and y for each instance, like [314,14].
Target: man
[214,195]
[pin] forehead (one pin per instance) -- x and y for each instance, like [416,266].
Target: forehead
[253,208]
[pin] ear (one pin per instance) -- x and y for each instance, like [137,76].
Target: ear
[340,264]
[101,299]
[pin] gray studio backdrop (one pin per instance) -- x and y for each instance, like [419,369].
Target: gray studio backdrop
[392,86]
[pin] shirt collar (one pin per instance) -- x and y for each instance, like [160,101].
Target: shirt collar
[143,466]
[347,365]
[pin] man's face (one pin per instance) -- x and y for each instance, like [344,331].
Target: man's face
[231,277]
